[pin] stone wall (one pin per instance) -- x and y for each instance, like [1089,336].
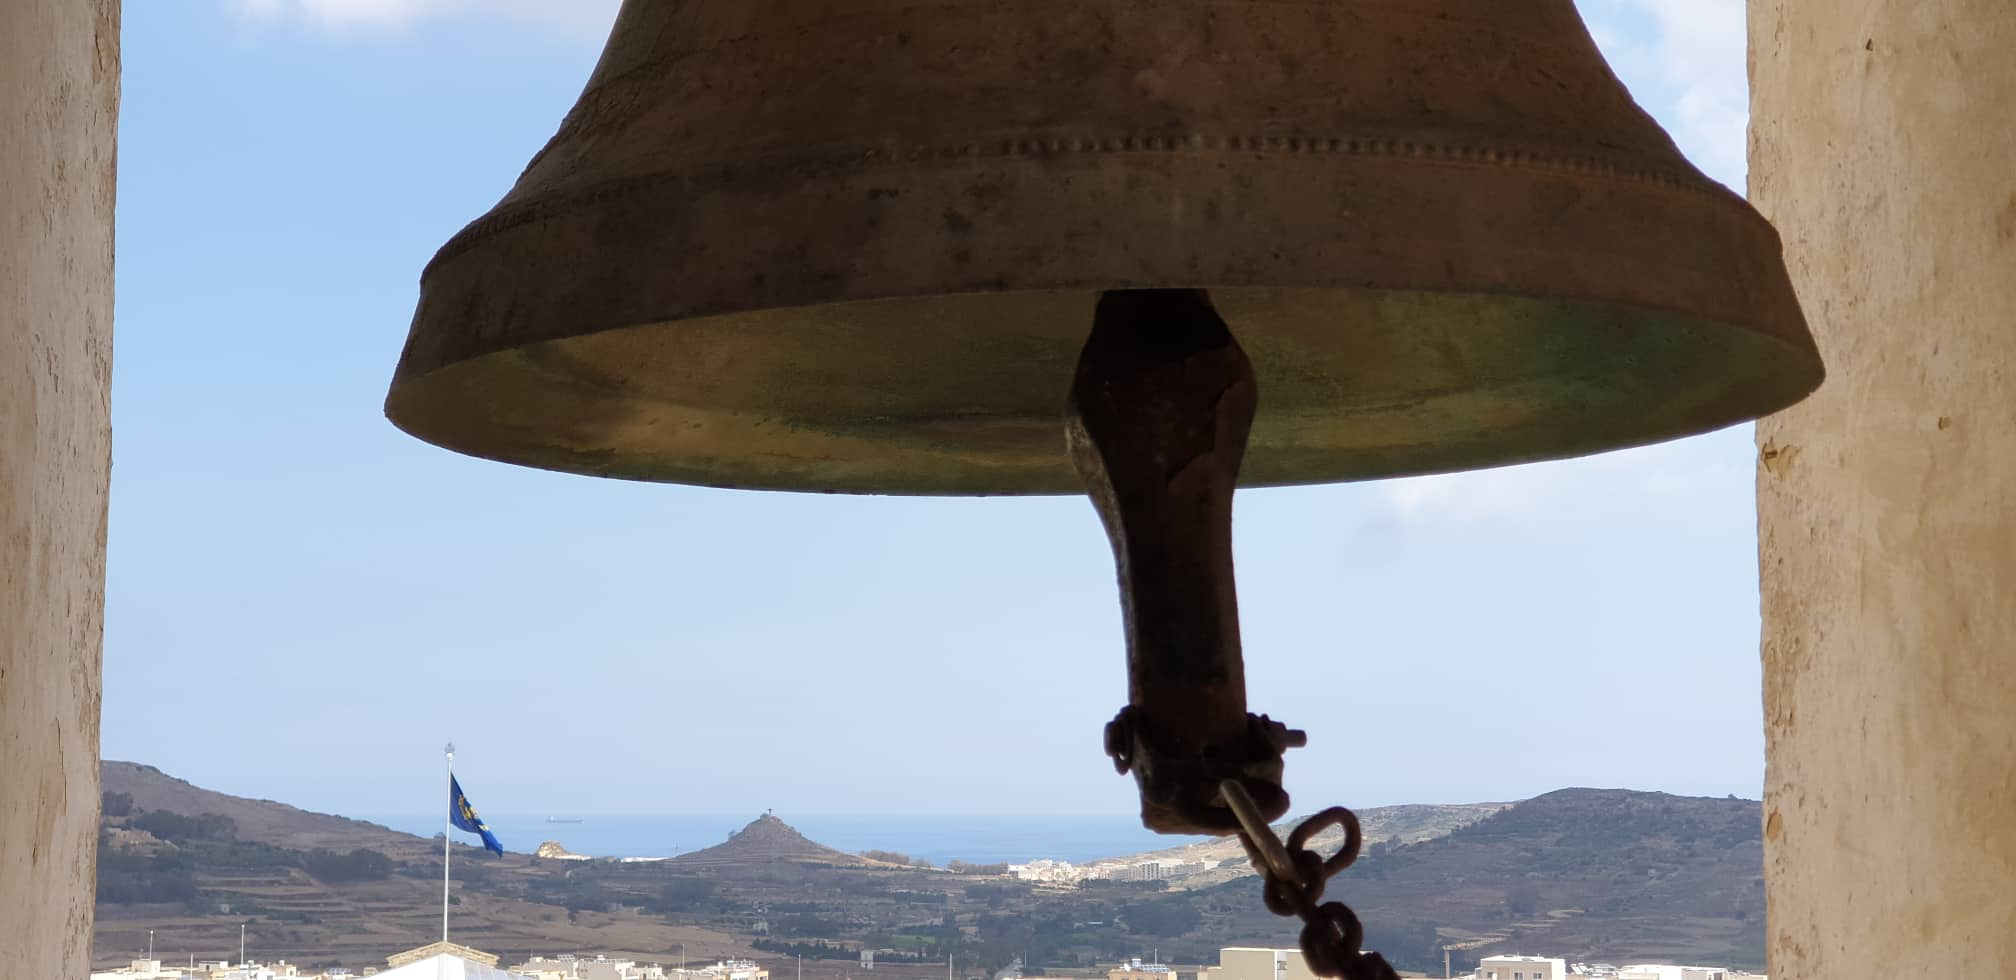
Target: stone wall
[59,89]
[1884,147]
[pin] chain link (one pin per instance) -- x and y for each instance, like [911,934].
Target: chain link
[1295,877]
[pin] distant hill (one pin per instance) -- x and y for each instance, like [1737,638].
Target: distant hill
[1406,824]
[260,821]
[766,840]
[1594,874]
[321,889]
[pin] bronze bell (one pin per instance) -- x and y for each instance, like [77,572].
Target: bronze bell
[852,245]
[857,246]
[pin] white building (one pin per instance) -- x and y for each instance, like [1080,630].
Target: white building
[571,967]
[446,966]
[1548,968]
[213,970]
[1047,870]
[568,966]
[1134,969]
[140,970]
[1522,968]
[1138,871]
[444,961]
[1660,971]
[282,970]
[1260,963]
[722,970]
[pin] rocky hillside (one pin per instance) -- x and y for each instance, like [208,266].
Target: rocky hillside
[766,840]
[194,865]
[1407,824]
[1600,875]
[258,821]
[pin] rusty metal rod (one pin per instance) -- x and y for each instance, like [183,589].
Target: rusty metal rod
[1159,413]
[1258,834]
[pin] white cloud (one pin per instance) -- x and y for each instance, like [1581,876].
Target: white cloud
[1703,48]
[1682,472]
[1515,494]
[1693,55]
[355,14]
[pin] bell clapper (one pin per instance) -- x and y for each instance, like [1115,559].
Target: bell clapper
[1158,418]
[1159,412]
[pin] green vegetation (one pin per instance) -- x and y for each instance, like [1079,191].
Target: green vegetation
[1169,917]
[177,828]
[996,895]
[896,857]
[241,856]
[575,893]
[130,877]
[815,950]
[362,864]
[804,924]
[685,894]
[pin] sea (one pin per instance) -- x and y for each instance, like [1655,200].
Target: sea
[938,839]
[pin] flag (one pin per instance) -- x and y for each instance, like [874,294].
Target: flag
[464,817]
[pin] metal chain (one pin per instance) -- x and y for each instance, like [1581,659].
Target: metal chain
[1295,878]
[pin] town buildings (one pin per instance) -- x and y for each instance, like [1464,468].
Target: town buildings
[1655,971]
[1556,968]
[449,961]
[148,969]
[1066,873]
[570,967]
[1136,970]
[1263,963]
[140,970]
[445,961]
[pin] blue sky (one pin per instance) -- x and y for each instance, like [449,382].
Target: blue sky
[304,604]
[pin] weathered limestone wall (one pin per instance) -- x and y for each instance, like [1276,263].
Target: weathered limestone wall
[59,89]
[1884,146]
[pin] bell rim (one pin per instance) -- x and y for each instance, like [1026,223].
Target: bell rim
[1803,372]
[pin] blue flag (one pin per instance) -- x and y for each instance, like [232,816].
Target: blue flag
[464,817]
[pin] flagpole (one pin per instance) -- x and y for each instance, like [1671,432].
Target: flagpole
[447,831]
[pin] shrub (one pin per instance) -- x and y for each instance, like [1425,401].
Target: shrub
[362,864]
[176,827]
